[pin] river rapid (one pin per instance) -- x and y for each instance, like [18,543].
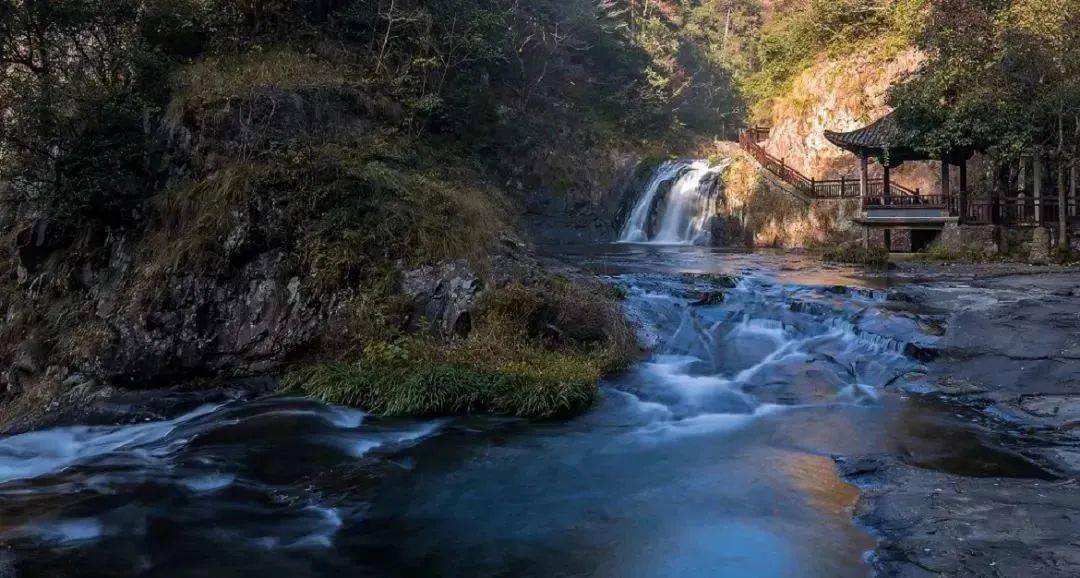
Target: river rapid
[712,457]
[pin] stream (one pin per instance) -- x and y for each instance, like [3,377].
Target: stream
[712,457]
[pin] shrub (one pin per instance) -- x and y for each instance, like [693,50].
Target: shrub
[855,254]
[220,77]
[535,352]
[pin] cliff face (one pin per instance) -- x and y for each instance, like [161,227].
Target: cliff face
[841,94]
[771,216]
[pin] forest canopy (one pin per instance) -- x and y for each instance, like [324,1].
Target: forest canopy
[86,82]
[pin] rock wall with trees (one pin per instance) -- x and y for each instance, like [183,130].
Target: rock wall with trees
[205,189]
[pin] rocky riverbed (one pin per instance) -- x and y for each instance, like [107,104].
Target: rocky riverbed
[1008,364]
[793,418]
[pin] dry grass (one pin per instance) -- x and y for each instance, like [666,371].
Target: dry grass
[221,77]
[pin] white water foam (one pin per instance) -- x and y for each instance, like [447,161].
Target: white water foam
[705,424]
[37,453]
[321,525]
[62,531]
[687,209]
[359,444]
[208,483]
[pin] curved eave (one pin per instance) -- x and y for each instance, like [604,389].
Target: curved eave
[841,140]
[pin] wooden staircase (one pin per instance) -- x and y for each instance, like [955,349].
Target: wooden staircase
[827,189]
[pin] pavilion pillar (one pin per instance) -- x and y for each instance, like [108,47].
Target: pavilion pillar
[885,183]
[1002,178]
[963,190]
[1036,189]
[946,183]
[864,183]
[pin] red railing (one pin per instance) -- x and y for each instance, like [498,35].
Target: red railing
[842,188]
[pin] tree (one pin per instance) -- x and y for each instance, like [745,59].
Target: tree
[1003,76]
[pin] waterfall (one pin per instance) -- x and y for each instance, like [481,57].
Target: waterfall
[677,205]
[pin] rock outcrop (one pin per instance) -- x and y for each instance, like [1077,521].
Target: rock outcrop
[841,94]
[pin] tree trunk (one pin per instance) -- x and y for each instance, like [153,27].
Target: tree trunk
[1063,207]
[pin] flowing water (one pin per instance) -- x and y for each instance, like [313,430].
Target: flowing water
[710,458]
[676,205]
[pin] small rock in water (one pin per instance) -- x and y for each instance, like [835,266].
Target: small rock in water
[718,279]
[709,298]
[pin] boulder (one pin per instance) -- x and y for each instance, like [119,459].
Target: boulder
[1040,246]
[441,298]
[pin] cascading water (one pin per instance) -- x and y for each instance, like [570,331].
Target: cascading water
[710,458]
[677,205]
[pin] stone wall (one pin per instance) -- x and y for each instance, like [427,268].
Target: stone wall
[900,240]
[981,240]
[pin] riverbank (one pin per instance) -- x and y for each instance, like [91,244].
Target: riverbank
[773,382]
[1008,363]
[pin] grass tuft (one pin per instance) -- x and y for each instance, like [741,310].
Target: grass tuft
[855,254]
[535,352]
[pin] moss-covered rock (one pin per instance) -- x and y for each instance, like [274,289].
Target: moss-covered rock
[535,351]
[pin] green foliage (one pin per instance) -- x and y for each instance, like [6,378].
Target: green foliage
[803,29]
[939,252]
[77,83]
[535,352]
[1064,256]
[1002,76]
[855,254]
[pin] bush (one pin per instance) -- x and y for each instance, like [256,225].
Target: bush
[535,352]
[791,40]
[855,254]
[938,252]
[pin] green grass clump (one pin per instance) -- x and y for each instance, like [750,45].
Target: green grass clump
[1064,256]
[855,254]
[427,387]
[938,252]
[534,352]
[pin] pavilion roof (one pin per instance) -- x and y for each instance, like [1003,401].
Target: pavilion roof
[882,138]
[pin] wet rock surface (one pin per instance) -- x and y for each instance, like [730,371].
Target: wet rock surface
[1008,362]
[936,524]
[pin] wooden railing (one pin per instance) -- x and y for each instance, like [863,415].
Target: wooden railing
[842,188]
[914,201]
[978,209]
[1019,211]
